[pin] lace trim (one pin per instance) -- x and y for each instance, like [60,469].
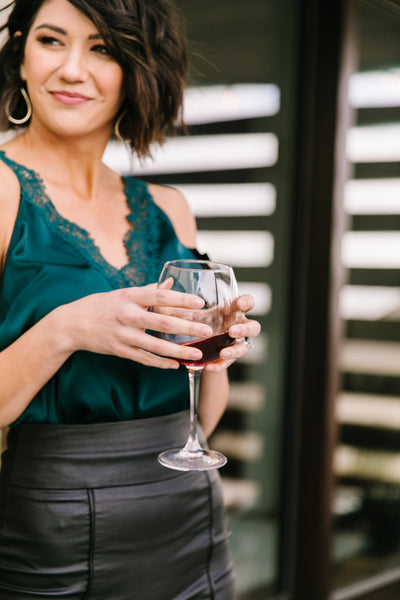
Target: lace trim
[141,241]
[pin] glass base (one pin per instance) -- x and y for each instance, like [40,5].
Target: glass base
[199,460]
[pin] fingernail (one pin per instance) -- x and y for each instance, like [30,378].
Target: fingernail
[196,354]
[206,331]
[198,301]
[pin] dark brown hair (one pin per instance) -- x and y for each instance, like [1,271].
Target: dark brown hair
[144,36]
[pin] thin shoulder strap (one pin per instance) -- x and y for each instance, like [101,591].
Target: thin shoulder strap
[10,163]
[30,182]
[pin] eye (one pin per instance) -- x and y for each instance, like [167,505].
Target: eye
[48,40]
[101,49]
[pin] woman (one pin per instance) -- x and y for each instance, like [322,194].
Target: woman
[90,397]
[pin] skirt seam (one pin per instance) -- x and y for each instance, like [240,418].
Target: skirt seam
[92,537]
[211,536]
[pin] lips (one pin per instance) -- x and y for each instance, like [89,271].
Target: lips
[69,98]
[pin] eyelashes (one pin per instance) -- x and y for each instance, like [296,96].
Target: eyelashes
[47,40]
[101,49]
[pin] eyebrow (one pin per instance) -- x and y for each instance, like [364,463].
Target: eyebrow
[56,29]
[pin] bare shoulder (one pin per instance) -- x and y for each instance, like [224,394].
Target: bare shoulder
[174,204]
[9,204]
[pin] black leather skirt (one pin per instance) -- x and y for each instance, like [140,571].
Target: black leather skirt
[87,513]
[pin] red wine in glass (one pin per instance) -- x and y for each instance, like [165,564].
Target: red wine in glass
[210,347]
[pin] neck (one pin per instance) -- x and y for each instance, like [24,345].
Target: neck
[73,162]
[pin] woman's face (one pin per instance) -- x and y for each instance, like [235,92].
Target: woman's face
[75,86]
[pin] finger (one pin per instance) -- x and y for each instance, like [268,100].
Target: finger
[218,365]
[178,299]
[162,347]
[167,284]
[170,324]
[245,302]
[150,295]
[235,351]
[174,311]
[228,356]
[248,328]
[148,359]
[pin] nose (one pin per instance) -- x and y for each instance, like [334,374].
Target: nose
[74,65]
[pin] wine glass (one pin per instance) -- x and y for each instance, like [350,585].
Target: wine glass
[216,284]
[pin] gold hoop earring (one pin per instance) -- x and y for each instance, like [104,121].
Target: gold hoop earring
[28,110]
[117,123]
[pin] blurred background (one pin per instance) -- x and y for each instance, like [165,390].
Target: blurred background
[291,167]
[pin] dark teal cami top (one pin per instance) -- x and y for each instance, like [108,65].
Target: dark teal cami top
[51,261]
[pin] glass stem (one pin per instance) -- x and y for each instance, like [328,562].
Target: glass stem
[192,444]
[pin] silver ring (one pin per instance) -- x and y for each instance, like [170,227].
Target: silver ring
[248,343]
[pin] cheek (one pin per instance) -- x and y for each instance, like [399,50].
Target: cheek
[36,67]
[22,72]
[112,80]
[32,77]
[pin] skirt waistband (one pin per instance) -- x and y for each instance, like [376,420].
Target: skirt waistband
[94,455]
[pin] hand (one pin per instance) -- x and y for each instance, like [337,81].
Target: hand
[117,322]
[241,331]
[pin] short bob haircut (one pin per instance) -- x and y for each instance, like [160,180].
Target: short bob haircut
[144,36]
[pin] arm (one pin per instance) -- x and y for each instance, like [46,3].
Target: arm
[26,365]
[113,323]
